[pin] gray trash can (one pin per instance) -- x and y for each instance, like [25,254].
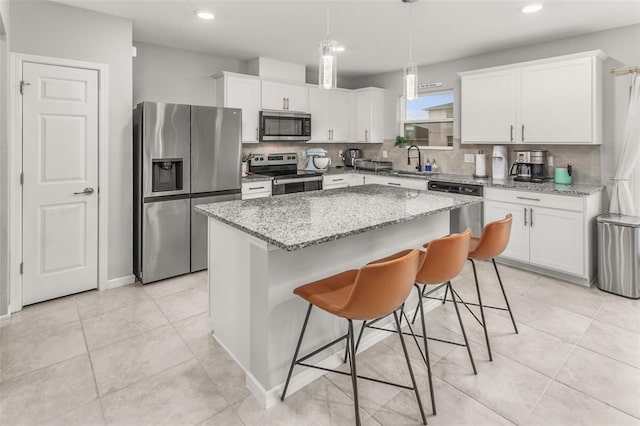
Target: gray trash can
[619,254]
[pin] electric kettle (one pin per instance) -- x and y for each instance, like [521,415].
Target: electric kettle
[563,175]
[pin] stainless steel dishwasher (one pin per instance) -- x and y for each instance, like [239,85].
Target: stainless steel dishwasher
[464,217]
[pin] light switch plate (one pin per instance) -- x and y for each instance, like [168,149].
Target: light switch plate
[384,154]
[469,158]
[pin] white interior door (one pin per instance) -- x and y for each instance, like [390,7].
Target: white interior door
[60,192]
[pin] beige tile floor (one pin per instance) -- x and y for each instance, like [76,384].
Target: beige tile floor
[142,355]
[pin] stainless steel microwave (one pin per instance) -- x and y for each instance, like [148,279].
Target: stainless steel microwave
[285,126]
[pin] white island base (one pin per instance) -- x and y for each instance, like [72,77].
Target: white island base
[256,317]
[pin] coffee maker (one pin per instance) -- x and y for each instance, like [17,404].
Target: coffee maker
[529,166]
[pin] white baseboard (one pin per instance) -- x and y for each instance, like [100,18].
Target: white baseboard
[121,281]
[5,319]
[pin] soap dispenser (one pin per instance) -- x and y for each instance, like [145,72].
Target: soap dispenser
[427,167]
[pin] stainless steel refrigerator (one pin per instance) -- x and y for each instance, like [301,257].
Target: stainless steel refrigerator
[183,156]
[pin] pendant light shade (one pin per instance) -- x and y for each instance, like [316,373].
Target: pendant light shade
[328,64]
[411,70]
[411,82]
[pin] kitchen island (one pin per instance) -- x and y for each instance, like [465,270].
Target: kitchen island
[262,249]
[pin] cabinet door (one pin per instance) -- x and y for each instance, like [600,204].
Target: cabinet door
[319,106]
[340,119]
[558,102]
[518,247]
[281,96]
[363,116]
[356,179]
[376,109]
[488,107]
[244,93]
[557,239]
[335,181]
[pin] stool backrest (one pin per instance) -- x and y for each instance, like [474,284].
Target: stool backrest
[494,239]
[445,258]
[381,288]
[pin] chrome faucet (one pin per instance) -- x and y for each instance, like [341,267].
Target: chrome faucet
[419,166]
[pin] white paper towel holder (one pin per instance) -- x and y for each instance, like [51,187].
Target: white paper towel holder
[480,172]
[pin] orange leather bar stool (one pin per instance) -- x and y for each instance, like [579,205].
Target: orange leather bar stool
[373,291]
[443,260]
[492,242]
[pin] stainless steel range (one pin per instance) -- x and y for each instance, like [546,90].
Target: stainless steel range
[287,178]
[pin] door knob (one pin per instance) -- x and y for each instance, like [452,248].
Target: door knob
[86,191]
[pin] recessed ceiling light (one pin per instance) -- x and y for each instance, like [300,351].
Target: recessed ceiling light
[339,48]
[204,14]
[532,8]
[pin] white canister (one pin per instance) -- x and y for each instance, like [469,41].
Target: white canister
[244,168]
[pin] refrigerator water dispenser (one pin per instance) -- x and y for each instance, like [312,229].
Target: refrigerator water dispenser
[167,175]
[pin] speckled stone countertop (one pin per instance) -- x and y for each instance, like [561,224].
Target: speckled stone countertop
[509,183]
[255,178]
[295,221]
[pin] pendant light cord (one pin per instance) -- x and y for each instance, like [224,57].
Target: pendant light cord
[327,19]
[410,33]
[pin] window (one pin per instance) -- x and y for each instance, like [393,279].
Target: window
[428,120]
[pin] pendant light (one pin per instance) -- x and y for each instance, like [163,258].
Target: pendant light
[328,63]
[411,70]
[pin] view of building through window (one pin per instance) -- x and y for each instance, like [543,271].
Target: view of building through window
[429,119]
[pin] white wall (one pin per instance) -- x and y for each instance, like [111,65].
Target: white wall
[621,44]
[164,74]
[56,30]
[4,140]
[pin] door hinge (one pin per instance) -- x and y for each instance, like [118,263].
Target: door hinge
[21,268]
[21,178]
[22,85]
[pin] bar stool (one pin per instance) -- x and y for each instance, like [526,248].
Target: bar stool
[373,291]
[492,242]
[443,260]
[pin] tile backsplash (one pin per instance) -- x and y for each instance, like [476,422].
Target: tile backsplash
[585,159]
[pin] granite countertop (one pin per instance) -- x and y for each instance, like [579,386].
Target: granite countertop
[547,187]
[299,220]
[255,178]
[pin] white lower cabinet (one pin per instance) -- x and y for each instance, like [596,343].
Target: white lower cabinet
[399,182]
[342,180]
[552,232]
[256,189]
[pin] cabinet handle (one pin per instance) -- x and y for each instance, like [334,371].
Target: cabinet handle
[525,216]
[331,134]
[257,133]
[366,135]
[393,184]
[287,103]
[256,187]
[531,216]
[523,133]
[511,133]
[526,198]
[337,180]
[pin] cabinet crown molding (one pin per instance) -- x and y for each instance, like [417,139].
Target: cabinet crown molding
[598,54]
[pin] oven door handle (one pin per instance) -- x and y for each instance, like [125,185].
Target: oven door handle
[297,180]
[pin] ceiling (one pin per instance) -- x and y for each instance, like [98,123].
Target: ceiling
[374,32]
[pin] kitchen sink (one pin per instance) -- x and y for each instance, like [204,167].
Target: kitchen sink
[409,173]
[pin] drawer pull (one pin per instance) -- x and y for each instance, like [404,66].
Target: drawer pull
[338,180]
[530,199]
[256,187]
[393,183]
[525,216]
[511,133]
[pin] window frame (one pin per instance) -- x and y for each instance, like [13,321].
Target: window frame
[403,115]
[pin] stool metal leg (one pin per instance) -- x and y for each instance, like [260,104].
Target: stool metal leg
[484,321]
[406,356]
[354,374]
[426,353]
[515,327]
[464,334]
[295,354]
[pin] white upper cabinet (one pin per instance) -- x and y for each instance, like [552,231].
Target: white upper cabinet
[554,100]
[330,115]
[240,91]
[285,97]
[369,105]
[561,103]
[488,107]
